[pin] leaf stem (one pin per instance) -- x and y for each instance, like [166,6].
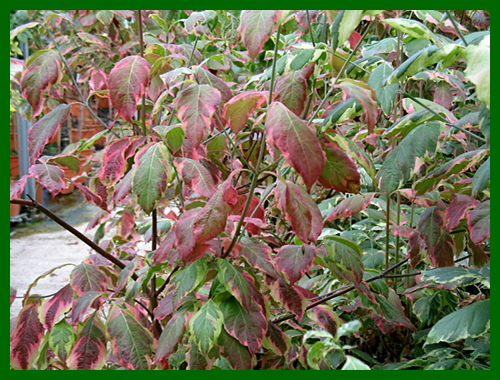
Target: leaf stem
[310,29]
[455,25]
[143,100]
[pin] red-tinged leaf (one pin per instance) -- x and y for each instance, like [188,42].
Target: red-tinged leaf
[458,165]
[298,144]
[13,293]
[236,354]
[89,351]
[432,229]
[416,248]
[256,27]
[161,253]
[257,221]
[295,260]
[85,277]
[289,296]
[83,303]
[203,76]
[292,91]
[186,242]
[44,129]
[125,274]
[151,176]
[276,339]
[478,220]
[300,210]
[344,258]
[259,256]
[235,283]
[457,209]
[113,165]
[25,339]
[326,318]
[17,187]
[124,187]
[392,314]
[479,257]
[92,197]
[211,220]
[340,172]
[198,360]
[443,95]
[59,304]
[403,231]
[237,110]
[196,105]
[195,175]
[98,80]
[188,280]
[132,343]
[247,326]
[43,70]
[365,95]
[350,206]
[127,83]
[49,176]
[172,335]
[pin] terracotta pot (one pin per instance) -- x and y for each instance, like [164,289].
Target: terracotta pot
[15,210]
[13,142]
[86,133]
[14,166]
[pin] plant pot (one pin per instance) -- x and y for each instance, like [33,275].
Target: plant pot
[86,133]
[14,166]
[68,173]
[15,209]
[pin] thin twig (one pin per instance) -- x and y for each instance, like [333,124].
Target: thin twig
[455,25]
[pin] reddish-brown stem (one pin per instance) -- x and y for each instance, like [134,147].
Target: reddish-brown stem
[73,230]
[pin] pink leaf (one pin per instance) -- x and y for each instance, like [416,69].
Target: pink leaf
[195,175]
[289,296]
[50,176]
[203,76]
[256,27]
[238,110]
[300,210]
[365,95]
[247,326]
[44,129]
[26,338]
[92,197]
[98,80]
[196,105]
[479,222]
[83,303]
[211,220]
[457,209]
[89,351]
[113,165]
[259,256]
[292,89]
[340,172]
[350,206]
[326,318]
[17,187]
[86,277]
[298,144]
[59,304]
[295,260]
[127,82]
[443,95]
[43,70]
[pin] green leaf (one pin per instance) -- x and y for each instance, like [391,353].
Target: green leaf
[452,274]
[61,339]
[235,283]
[471,321]
[153,172]
[346,110]
[132,342]
[353,363]
[481,178]
[172,135]
[458,165]
[399,165]
[344,24]
[413,28]
[478,68]
[425,58]
[344,259]
[408,122]
[206,325]
[385,94]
